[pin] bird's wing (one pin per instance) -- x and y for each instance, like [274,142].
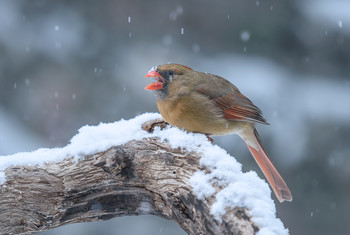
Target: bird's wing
[236,107]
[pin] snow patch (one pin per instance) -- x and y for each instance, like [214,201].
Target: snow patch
[154,68]
[89,140]
[238,188]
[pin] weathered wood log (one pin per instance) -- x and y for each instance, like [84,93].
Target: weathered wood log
[137,178]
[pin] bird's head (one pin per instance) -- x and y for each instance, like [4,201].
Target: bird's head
[164,74]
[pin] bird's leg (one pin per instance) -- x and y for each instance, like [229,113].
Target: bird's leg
[210,139]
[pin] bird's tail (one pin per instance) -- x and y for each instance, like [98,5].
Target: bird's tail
[275,180]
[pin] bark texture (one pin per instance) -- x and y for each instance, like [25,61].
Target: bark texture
[136,178]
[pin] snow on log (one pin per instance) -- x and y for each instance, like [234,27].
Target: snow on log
[134,167]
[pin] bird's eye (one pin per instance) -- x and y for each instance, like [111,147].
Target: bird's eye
[171,72]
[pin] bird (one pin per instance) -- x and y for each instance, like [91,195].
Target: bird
[205,103]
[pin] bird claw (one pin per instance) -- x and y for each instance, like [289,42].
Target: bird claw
[209,138]
[150,125]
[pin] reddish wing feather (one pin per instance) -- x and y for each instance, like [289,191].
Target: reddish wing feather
[235,106]
[238,107]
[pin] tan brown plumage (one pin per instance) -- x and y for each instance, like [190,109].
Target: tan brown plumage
[209,104]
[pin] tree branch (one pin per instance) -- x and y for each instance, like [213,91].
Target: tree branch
[137,178]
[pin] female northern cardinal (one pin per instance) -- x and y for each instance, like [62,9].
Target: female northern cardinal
[209,104]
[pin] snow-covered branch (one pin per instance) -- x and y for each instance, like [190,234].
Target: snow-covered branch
[120,169]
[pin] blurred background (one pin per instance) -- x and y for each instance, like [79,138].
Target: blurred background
[65,64]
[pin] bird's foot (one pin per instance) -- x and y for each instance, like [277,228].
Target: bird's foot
[209,138]
[150,125]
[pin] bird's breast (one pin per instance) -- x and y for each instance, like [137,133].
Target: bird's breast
[170,111]
[197,114]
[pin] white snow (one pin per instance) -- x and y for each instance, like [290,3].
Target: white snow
[239,189]
[340,24]
[154,68]
[89,140]
[245,35]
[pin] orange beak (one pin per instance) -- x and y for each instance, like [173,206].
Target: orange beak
[155,85]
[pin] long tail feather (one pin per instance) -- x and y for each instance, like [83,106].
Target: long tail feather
[275,180]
